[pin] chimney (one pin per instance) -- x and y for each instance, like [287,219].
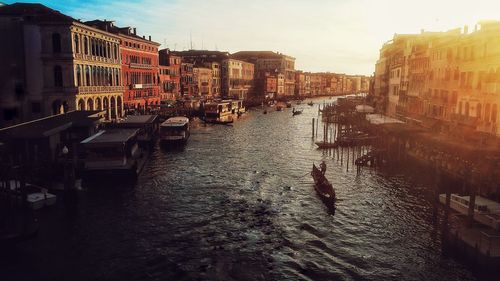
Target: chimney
[149,37]
[135,31]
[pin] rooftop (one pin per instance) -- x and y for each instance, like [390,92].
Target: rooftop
[35,12]
[111,136]
[139,119]
[51,125]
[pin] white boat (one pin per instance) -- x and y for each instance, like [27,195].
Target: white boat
[218,113]
[37,197]
[39,200]
[175,130]
[486,211]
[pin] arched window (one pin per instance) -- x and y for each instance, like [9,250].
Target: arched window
[494,114]
[94,76]
[117,78]
[460,108]
[487,112]
[87,76]
[467,109]
[115,51]
[77,44]
[92,41]
[58,81]
[78,75]
[99,76]
[56,43]
[86,45]
[478,111]
[108,50]
[101,51]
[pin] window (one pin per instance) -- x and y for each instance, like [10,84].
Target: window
[10,114]
[77,44]
[85,45]
[56,43]
[87,75]
[58,82]
[78,76]
[494,114]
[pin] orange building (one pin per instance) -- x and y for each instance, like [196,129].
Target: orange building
[139,66]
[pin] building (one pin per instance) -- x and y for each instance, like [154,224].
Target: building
[270,85]
[187,81]
[307,86]
[315,84]
[237,79]
[445,80]
[216,77]
[300,84]
[270,62]
[53,64]
[170,75]
[139,63]
[202,78]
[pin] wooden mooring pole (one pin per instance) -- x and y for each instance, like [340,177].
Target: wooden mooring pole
[313,128]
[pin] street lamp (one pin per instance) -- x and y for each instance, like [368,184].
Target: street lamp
[65,150]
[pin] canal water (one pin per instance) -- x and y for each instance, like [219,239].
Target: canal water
[238,203]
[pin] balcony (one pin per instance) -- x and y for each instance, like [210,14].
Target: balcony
[96,58]
[99,89]
[141,86]
[140,65]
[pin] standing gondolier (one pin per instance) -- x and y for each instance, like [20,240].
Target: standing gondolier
[322,166]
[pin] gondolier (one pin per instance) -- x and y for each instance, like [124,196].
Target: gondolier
[322,166]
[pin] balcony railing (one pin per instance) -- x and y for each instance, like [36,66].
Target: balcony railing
[100,89]
[140,65]
[96,58]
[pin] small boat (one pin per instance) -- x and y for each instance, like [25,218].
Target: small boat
[323,187]
[310,103]
[299,101]
[324,145]
[296,112]
[288,104]
[279,108]
[36,197]
[175,130]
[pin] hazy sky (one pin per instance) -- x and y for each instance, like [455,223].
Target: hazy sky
[337,36]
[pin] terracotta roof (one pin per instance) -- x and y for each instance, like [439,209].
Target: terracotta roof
[109,26]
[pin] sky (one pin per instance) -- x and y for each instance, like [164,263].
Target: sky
[342,36]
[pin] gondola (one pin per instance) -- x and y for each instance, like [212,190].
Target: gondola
[296,112]
[323,145]
[323,187]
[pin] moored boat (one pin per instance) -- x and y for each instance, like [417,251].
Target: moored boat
[218,113]
[323,145]
[323,187]
[310,103]
[114,152]
[175,130]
